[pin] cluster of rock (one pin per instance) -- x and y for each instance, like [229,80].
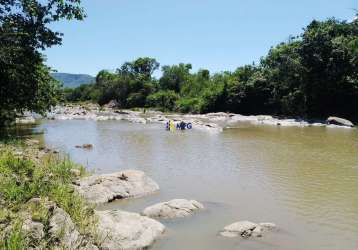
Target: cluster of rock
[60,229]
[115,229]
[124,230]
[213,122]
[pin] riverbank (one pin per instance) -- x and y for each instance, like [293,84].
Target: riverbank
[42,206]
[39,209]
[212,122]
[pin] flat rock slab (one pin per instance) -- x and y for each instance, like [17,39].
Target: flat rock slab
[119,230]
[339,121]
[105,188]
[246,229]
[173,209]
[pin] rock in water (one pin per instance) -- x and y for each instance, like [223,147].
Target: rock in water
[85,146]
[119,230]
[339,121]
[173,208]
[120,185]
[246,229]
[240,228]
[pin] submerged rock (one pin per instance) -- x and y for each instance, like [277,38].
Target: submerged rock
[339,121]
[85,146]
[126,231]
[173,208]
[120,185]
[246,229]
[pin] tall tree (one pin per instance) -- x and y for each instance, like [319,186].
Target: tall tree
[25,82]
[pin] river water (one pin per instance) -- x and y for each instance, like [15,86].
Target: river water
[305,180]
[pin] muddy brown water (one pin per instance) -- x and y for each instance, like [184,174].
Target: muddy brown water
[303,179]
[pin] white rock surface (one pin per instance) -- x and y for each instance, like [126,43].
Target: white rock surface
[119,230]
[211,122]
[173,209]
[25,120]
[246,229]
[34,230]
[339,121]
[120,185]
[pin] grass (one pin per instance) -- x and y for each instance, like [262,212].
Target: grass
[50,179]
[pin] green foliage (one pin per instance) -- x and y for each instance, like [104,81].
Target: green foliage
[164,100]
[25,82]
[188,105]
[16,239]
[175,76]
[312,75]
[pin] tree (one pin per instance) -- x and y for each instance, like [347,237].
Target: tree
[25,83]
[142,67]
[174,76]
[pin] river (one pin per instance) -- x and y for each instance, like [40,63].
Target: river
[305,180]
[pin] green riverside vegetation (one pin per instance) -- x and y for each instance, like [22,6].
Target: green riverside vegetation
[313,75]
[24,176]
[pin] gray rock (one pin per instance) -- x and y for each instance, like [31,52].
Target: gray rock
[246,229]
[75,172]
[63,230]
[120,185]
[240,228]
[119,230]
[257,232]
[173,208]
[339,121]
[34,230]
[85,146]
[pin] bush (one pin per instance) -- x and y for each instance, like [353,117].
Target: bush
[188,105]
[164,100]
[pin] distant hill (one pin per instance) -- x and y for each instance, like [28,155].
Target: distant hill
[73,80]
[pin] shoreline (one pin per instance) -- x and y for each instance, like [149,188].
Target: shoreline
[212,122]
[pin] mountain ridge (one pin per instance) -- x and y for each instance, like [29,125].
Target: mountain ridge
[70,80]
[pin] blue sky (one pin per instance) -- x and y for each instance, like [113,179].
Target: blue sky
[217,35]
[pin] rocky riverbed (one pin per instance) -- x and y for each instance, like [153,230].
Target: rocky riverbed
[212,122]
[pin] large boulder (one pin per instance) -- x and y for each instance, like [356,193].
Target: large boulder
[339,121]
[120,185]
[246,229]
[119,230]
[173,209]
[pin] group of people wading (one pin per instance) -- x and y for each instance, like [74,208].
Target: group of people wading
[171,126]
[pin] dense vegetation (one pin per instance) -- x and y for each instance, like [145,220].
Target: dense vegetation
[25,81]
[312,75]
